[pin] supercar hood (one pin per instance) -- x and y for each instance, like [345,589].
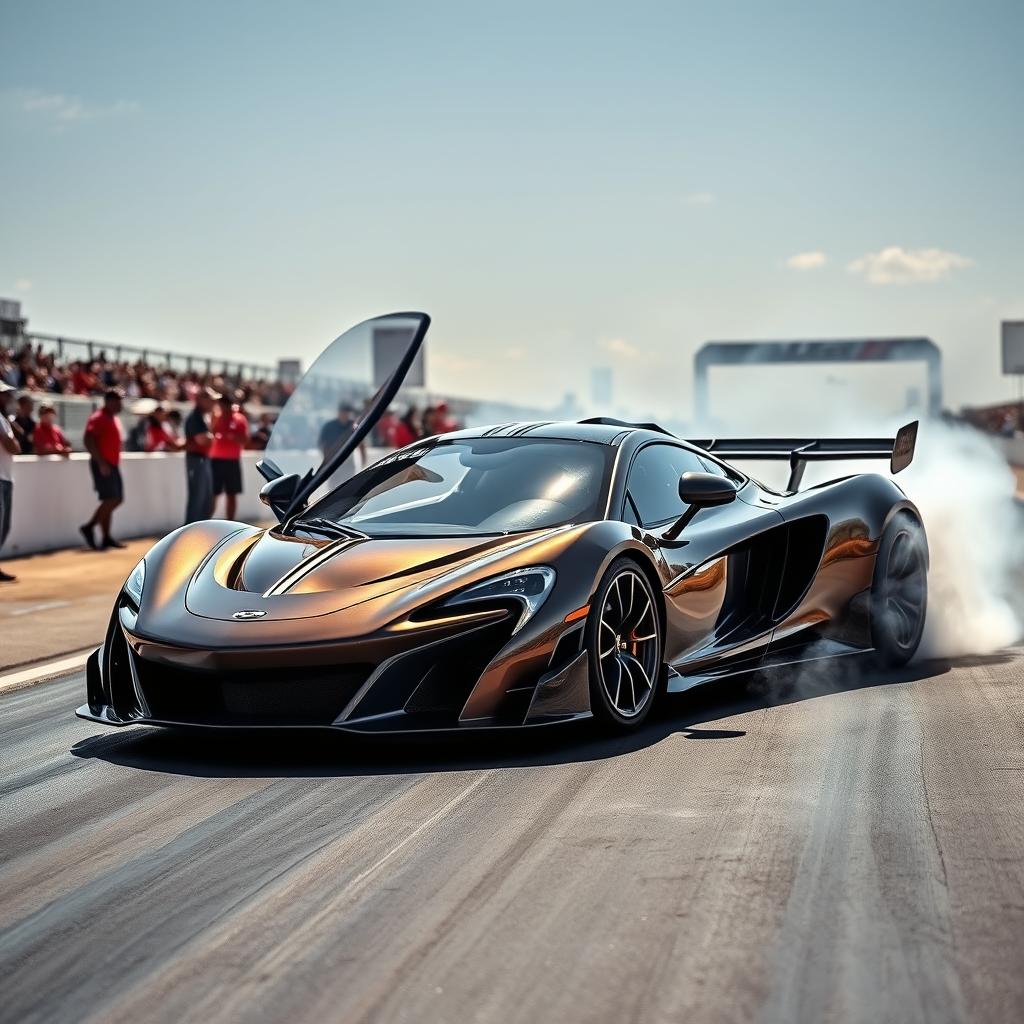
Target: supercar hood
[290,577]
[222,585]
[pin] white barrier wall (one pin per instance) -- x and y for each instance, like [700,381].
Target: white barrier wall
[53,496]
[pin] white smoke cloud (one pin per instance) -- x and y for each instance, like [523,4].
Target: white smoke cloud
[965,490]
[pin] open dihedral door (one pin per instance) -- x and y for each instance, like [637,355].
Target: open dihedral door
[899,450]
[329,415]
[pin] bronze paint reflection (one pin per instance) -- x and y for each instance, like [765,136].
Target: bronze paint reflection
[698,600]
[707,579]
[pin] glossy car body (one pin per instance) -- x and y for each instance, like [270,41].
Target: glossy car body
[248,627]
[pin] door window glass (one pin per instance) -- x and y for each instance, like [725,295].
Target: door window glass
[654,481]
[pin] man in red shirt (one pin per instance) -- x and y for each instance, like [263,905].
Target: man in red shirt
[230,430]
[104,439]
[48,438]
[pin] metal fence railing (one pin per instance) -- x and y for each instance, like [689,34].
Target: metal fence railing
[69,350]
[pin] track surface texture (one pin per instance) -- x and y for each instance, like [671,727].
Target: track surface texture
[829,847]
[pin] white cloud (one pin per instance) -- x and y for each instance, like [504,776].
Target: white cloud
[701,199]
[516,353]
[620,347]
[896,265]
[23,284]
[807,260]
[62,109]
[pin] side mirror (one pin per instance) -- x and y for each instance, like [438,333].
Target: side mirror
[278,493]
[700,490]
[705,490]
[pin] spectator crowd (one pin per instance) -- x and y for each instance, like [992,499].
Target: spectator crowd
[150,393]
[1004,419]
[212,434]
[30,368]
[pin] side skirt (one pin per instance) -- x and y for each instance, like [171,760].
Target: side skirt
[823,650]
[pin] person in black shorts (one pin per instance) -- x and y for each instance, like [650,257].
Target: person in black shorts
[104,440]
[230,429]
[227,477]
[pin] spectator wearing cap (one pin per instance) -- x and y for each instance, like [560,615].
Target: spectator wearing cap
[23,423]
[49,439]
[198,441]
[9,447]
[104,440]
[230,435]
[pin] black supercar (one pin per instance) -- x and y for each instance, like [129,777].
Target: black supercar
[514,575]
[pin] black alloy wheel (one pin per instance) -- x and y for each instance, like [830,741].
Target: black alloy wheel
[625,646]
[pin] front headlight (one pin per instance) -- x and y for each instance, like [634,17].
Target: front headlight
[133,585]
[528,586]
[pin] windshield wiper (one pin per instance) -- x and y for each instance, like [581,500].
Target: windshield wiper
[329,528]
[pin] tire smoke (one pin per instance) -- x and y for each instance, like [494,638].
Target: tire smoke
[966,493]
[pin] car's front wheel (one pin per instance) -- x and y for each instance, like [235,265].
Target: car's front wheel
[624,644]
[899,592]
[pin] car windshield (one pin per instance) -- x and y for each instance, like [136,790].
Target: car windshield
[482,485]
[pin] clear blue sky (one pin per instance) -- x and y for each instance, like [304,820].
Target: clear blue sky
[560,186]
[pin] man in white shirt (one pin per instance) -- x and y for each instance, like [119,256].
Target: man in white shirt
[9,447]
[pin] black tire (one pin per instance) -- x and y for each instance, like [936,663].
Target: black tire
[899,592]
[624,645]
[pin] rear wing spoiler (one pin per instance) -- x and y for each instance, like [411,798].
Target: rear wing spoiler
[899,450]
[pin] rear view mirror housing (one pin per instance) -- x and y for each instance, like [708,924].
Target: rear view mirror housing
[277,494]
[705,490]
[701,490]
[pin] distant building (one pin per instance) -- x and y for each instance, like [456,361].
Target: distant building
[568,408]
[289,370]
[601,386]
[12,323]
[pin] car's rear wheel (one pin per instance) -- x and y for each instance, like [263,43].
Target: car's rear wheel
[624,643]
[899,592]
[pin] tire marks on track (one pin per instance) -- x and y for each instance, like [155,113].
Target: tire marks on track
[849,853]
